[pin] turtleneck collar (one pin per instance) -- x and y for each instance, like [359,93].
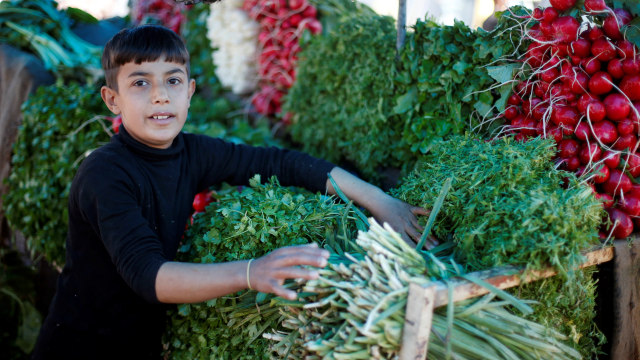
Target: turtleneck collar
[148,151]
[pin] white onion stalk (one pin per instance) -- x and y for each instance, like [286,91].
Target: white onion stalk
[234,38]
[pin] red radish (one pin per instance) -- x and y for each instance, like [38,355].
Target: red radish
[540,89]
[565,28]
[594,33]
[546,29]
[584,101]
[614,22]
[575,60]
[115,124]
[614,68]
[555,133]
[537,14]
[611,159]
[201,200]
[596,111]
[630,86]
[631,66]
[603,50]
[535,54]
[632,165]
[618,183]
[635,190]
[539,111]
[572,163]
[562,5]
[297,4]
[582,131]
[607,200]
[565,116]
[625,127]
[617,106]
[595,5]
[621,224]
[626,49]
[549,14]
[511,112]
[628,141]
[312,24]
[514,100]
[605,131]
[580,47]
[590,153]
[309,12]
[578,82]
[630,205]
[568,148]
[601,175]
[549,75]
[591,65]
[600,83]
[635,114]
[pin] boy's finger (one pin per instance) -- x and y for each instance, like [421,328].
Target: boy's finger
[313,259]
[285,293]
[302,250]
[296,273]
[415,235]
[416,210]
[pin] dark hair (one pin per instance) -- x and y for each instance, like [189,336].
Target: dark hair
[139,44]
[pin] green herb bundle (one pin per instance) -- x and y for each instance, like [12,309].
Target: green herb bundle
[60,126]
[507,203]
[243,225]
[359,311]
[342,96]
[509,206]
[37,26]
[442,77]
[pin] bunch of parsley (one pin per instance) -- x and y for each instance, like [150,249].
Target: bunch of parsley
[242,225]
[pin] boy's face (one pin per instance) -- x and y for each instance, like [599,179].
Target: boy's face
[153,99]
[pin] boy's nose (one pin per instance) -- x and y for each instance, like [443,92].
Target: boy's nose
[159,95]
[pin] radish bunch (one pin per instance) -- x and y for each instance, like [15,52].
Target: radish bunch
[164,12]
[583,90]
[282,22]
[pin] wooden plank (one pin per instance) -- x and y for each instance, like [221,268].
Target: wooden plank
[417,326]
[506,277]
[625,342]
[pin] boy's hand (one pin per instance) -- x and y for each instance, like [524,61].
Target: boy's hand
[402,217]
[268,273]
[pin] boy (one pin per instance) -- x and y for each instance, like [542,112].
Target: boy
[131,198]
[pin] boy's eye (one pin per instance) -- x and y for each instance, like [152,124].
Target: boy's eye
[174,81]
[139,83]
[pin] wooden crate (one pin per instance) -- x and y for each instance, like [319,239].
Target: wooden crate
[625,341]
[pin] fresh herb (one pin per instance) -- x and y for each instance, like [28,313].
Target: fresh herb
[507,204]
[242,225]
[342,96]
[60,126]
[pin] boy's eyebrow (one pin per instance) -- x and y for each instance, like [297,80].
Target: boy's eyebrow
[144,73]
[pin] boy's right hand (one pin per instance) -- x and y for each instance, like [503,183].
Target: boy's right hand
[268,273]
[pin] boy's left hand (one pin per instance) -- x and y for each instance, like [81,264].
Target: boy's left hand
[402,217]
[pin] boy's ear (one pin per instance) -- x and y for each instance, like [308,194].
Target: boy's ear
[109,98]
[192,88]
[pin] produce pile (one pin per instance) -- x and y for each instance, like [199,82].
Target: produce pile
[165,12]
[358,311]
[580,85]
[38,27]
[240,225]
[508,206]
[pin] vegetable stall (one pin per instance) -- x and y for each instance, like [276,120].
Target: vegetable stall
[523,141]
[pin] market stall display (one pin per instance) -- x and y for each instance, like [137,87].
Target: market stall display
[522,140]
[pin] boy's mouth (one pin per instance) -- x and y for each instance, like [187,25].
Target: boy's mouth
[161,117]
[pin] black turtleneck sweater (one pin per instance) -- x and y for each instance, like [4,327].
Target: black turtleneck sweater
[128,207]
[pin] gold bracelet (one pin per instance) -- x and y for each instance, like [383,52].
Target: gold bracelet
[248,281]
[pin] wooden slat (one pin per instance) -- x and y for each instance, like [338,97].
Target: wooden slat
[625,342]
[424,298]
[506,277]
[415,334]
